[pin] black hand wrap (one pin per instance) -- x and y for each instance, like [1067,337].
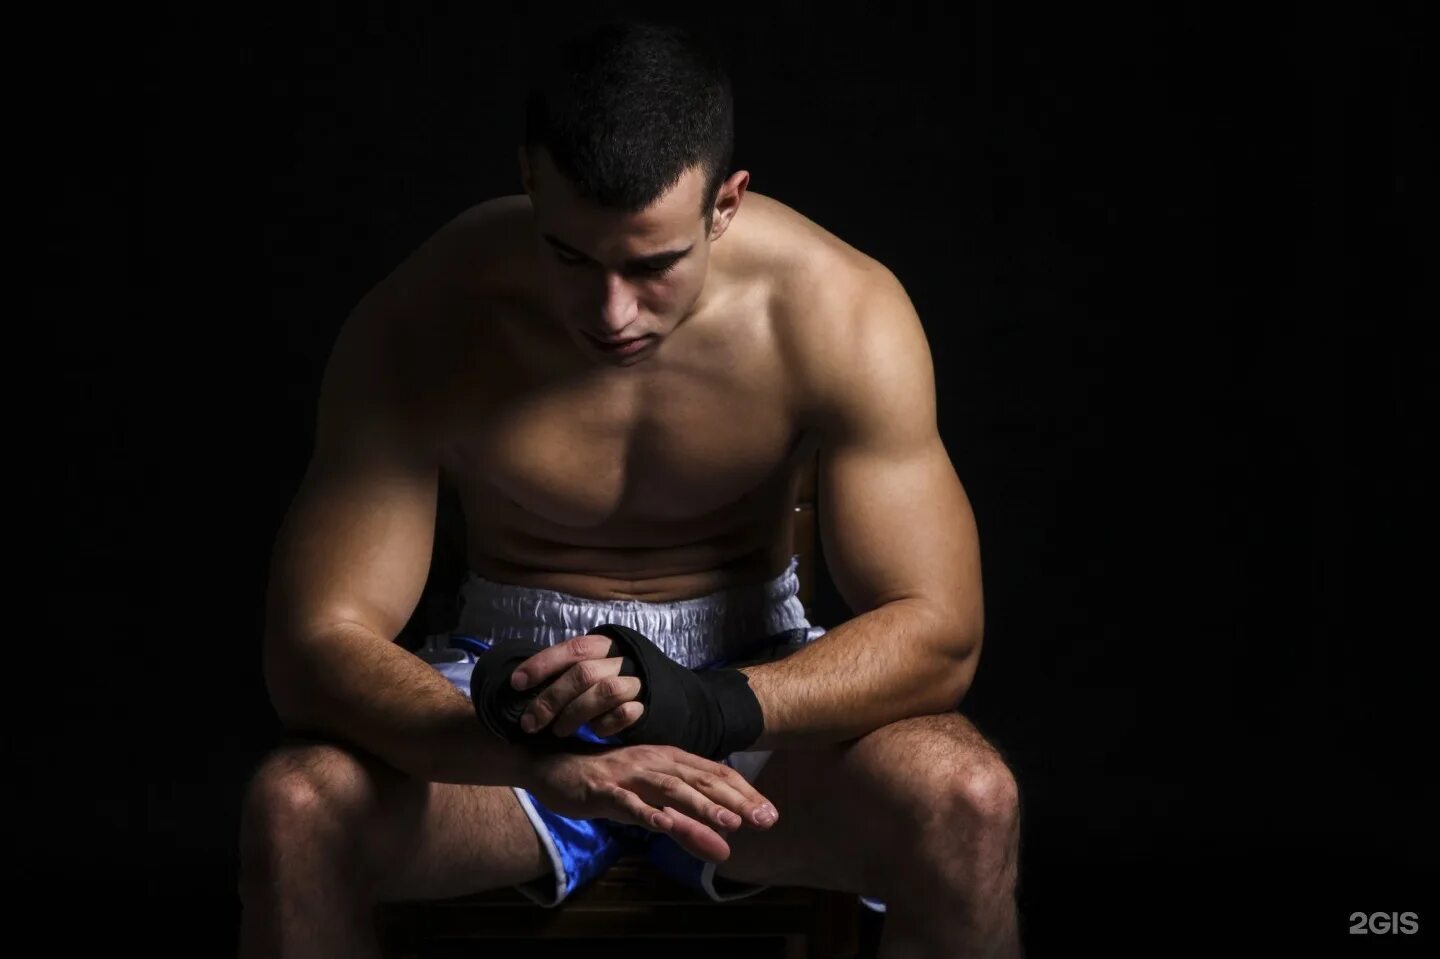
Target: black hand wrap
[499,704]
[709,712]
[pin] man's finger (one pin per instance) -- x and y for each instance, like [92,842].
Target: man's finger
[620,718]
[579,679]
[749,801]
[596,701]
[553,660]
[696,838]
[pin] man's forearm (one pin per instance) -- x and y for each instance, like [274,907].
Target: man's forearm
[893,662]
[350,684]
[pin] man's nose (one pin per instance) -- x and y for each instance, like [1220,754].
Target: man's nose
[617,310]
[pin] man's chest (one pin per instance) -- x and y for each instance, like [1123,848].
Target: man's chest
[701,439]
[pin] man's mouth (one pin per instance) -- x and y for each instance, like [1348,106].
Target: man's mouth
[621,347]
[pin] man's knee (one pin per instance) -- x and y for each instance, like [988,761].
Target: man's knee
[304,795]
[971,852]
[971,817]
[985,794]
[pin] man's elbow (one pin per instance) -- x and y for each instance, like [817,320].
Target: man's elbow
[964,676]
[281,683]
[287,664]
[962,657]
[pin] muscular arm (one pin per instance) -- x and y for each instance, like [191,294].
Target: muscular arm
[348,568]
[899,539]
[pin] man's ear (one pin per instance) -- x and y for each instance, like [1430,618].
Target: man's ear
[727,202]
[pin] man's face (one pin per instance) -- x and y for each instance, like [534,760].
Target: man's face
[612,275]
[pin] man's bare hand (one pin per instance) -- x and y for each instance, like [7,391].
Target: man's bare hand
[631,784]
[586,687]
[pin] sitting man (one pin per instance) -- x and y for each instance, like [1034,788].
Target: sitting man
[624,405]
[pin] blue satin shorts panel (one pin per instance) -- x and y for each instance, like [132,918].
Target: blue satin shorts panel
[760,621]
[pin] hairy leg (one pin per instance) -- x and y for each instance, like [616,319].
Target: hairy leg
[328,831]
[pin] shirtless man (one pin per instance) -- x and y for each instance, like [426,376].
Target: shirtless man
[652,481]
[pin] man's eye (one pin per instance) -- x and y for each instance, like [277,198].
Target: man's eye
[659,270]
[564,257]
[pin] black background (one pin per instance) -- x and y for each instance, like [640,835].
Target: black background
[1169,261]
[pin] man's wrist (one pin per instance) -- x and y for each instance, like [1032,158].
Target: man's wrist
[470,754]
[740,719]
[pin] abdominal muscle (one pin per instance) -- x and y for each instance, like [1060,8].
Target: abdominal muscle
[713,572]
[629,553]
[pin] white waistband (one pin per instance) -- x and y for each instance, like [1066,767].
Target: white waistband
[690,631]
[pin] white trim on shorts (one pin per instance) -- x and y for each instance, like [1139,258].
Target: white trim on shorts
[532,888]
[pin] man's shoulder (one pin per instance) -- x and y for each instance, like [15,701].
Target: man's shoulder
[420,332]
[475,251]
[819,280]
[826,293]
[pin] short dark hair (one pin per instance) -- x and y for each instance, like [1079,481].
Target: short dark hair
[625,108]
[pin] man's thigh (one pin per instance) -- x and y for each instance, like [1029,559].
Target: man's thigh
[854,816]
[421,840]
[470,839]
